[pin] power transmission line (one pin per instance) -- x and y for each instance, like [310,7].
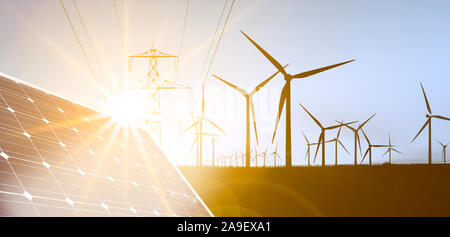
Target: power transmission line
[184,28]
[182,36]
[81,47]
[116,11]
[214,38]
[89,40]
[220,38]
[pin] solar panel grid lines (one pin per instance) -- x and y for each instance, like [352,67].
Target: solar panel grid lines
[63,159]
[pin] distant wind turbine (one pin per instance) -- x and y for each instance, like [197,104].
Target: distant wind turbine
[308,149]
[429,116]
[286,94]
[264,155]
[249,106]
[275,156]
[255,158]
[369,148]
[444,151]
[322,134]
[200,121]
[336,141]
[356,135]
[391,148]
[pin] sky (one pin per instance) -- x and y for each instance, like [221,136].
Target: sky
[396,45]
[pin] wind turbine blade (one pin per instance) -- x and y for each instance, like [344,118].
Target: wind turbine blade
[305,137]
[315,120]
[441,117]
[426,123]
[380,145]
[339,132]
[360,126]
[215,125]
[262,84]
[319,70]
[339,125]
[389,139]
[346,126]
[193,120]
[306,154]
[342,145]
[193,125]
[267,55]
[252,107]
[440,142]
[365,154]
[359,143]
[426,100]
[397,151]
[385,152]
[242,91]
[280,109]
[210,134]
[318,145]
[365,136]
[195,141]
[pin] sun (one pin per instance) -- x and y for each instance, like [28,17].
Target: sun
[129,107]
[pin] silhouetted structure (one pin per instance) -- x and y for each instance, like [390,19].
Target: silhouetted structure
[322,134]
[429,116]
[444,151]
[249,106]
[275,156]
[336,141]
[200,121]
[286,94]
[357,140]
[264,155]
[391,148]
[369,148]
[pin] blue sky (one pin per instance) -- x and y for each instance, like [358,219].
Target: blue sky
[396,45]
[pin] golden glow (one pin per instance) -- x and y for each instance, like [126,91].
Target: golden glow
[128,107]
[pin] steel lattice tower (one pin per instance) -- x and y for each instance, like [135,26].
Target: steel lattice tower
[153,84]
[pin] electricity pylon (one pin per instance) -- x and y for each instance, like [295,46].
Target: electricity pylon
[153,84]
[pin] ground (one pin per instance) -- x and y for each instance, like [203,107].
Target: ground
[383,190]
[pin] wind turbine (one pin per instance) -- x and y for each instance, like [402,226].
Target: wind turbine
[429,116]
[275,156]
[357,140]
[308,149]
[391,148]
[444,151]
[249,106]
[286,94]
[256,156]
[322,134]
[336,141]
[369,148]
[263,155]
[200,121]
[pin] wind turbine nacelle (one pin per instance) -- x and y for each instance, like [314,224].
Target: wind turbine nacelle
[428,115]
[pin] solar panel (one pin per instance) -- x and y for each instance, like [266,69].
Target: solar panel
[58,158]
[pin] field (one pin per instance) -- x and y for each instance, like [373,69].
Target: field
[383,190]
